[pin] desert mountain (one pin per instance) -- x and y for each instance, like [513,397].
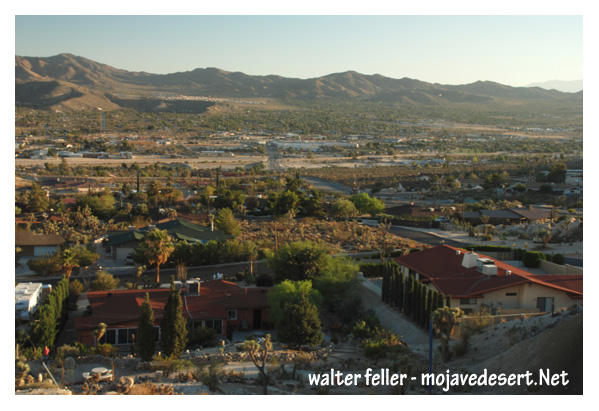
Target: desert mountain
[77,82]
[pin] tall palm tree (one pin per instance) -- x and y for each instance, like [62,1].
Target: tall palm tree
[157,246]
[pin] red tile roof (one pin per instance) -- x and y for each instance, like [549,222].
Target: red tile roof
[215,298]
[442,267]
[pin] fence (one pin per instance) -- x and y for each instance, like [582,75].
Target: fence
[553,268]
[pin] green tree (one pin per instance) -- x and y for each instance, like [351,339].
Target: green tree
[342,208]
[300,324]
[37,200]
[226,222]
[557,173]
[290,292]
[156,248]
[285,202]
[146,337]
[173,329]
[366,204]
[298,261]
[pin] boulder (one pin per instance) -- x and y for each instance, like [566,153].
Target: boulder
[69,363]
[123,385]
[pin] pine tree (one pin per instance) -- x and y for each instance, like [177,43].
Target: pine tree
[173,329]
[146,339]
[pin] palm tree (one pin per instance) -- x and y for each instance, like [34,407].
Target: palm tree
[157,246]
[68,261]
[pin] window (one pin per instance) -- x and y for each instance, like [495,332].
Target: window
[217,325]
[467,301]
[511,294]
[121,336]
[232,314]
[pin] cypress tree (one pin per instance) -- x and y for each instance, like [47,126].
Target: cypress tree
[430,306]
[409,297]
[423,305]
[173,328]
[396,281]
[385,287]
[448,303]
[146,342]
[440,300]
[400,291]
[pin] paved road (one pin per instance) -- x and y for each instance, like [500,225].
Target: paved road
[423,237]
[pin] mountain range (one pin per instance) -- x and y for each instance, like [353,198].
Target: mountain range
[69,82]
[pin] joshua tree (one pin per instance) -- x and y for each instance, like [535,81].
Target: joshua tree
[99,333]
[259,355]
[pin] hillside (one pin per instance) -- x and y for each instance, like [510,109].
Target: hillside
[71,82]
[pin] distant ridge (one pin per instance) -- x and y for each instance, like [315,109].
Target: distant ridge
[572,86]
[71,82]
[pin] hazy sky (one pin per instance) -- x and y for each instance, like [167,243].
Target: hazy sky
[513,50]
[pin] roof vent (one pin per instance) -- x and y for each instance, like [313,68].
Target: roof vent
[458,252]
[508,272]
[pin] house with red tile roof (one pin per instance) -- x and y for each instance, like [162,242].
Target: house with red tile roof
[475,280]
[217,304]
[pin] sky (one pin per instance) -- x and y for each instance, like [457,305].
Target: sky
[447,49]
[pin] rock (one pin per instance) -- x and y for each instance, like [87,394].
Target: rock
[69,363]
[158,376]
[123,385]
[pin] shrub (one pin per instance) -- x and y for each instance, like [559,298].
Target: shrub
[559,259]
[531,259]
[67,351]
[205,337]
[105,350]
[104,281]
[75,288]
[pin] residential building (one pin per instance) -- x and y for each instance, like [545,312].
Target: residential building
[217,304]
[475,281]
[121,244]
[37,245]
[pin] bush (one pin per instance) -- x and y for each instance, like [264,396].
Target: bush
[105,350]
[559,259]
[531,259]
[75,288]
[205,337]
[67,351]
[104,281]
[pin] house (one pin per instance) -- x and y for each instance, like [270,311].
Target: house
[475,281]
[218,304]
[508,216]
[37,245]
[27,299]
[121,244]
[413,211]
